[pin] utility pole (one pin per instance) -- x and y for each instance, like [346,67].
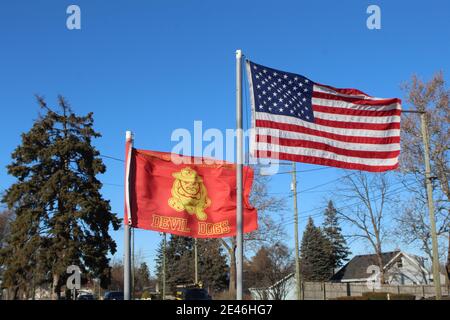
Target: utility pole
[239,167]
[428,182]
[196,261]
[429,189]
[297,260]
[164,267]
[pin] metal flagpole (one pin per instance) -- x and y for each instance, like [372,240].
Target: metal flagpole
[426,147]
[297,260]
[239,160]
[195,261]
[127,224]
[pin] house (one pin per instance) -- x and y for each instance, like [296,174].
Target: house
[400,268]
[358,275]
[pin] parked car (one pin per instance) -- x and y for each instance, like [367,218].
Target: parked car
[113,295]
[192,294]
[85,296]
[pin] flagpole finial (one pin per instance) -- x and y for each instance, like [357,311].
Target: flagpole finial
[238,53]
[128,135]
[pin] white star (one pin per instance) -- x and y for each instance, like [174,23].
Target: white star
[295,78]
[284,86]
[257,77]
[281,109]
[305,90]
[299,94]
[304,99]
[274,94]
[269,98]
[274,104]
[306,80]
[258,86]
[286,105]
[275,74]
[292,111]
[281,100]
[290,82]
[279,79]
[300,84]
[264,92]
[261,107]
[254,67]
[269,88]
[295,88]
[265,71]
[285,76]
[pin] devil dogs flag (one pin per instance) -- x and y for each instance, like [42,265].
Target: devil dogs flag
[196,198]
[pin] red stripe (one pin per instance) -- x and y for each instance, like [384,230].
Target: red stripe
[324,162]
[348,91]
[357,125]
[323,146]
[357,112]
[368,102]
[334,136]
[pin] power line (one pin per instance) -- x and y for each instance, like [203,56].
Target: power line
[112,158]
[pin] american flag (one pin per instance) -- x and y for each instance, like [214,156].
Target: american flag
[300,120]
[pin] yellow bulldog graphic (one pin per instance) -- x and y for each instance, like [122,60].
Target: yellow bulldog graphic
[189,193]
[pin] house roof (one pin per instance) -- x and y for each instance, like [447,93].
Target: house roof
[356,268]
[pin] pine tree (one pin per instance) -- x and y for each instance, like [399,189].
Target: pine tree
[180,269]
[179,261]
[61,217]
[339,250]
[213,267]
[315,261]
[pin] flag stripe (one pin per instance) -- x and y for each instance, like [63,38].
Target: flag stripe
[326,162]
[304,143]
[274,134]
[339,137]
[357,112]
[261,146]
[350,105]
[357,125]
[352,118]
[337,130]
[357,100]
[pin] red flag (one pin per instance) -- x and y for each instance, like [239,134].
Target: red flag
[194,199]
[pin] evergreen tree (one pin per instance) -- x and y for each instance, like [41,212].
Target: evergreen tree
[339,250]
[61,217]
[315,259]
[142,277]
[179,261]
[180,269]
[213,267]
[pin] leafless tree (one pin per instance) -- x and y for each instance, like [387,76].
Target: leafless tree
[269,269]
[433,97]
[269,231]
[367,201]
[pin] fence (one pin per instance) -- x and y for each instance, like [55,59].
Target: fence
[327,290]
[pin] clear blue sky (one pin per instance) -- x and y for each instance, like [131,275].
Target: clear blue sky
[154,66]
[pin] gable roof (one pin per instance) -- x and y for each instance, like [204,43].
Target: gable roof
[356,268]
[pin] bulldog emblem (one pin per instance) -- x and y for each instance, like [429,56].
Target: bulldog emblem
[189,193]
